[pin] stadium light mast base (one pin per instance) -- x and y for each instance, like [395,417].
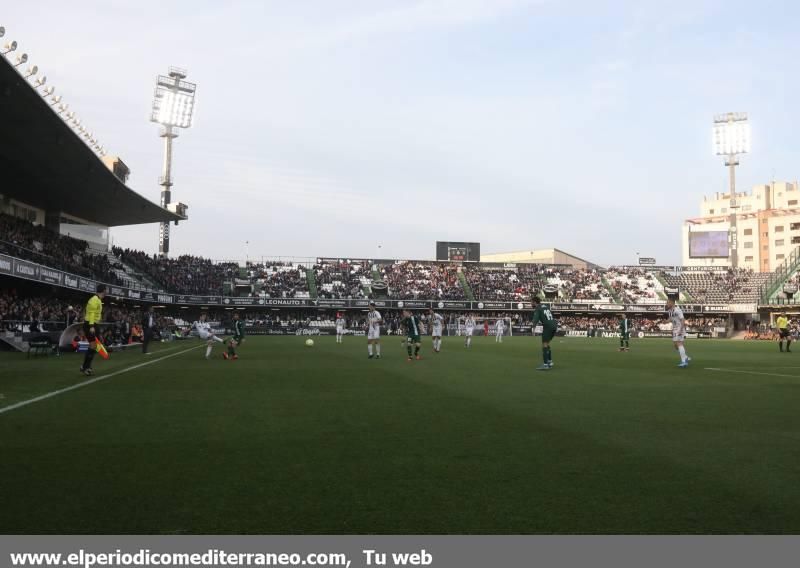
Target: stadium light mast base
[731,137]
[173,107]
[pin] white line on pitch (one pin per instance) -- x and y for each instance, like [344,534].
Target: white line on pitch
[751,372]
[90,381]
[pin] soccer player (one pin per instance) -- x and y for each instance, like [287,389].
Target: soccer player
[499,328]
[437,323]
[783,332]
[91,326]
[624,333]
[237,339]
[374,321]
[469,327]
[678,331]
[339,328]
[413,327]
[543,315]
[203,329]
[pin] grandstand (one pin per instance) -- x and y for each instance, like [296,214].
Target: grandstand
[331,279]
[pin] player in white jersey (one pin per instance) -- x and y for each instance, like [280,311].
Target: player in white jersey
[339,328]
[678,331]
[203,330]
[436,321]
[374,321]
[499,328]
[469,327]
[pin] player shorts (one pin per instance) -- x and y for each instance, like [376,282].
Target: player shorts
[625,336]
[437,332]
[204,335]
[339,330]
[237,339]
[374,333]
[678,337]
[413,339]
[548,333]
[89,335]
[468,332]
[784,333]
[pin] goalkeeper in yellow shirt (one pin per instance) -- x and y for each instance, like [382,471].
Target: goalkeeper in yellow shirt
[92,317]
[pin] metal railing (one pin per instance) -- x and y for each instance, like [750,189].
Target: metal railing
[779,276]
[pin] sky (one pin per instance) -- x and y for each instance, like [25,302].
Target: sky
[373,128]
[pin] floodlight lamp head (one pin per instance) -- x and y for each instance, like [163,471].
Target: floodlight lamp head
[41,81]
[21,58]
[2,31]
[32,70]
[9,47]
[731,134]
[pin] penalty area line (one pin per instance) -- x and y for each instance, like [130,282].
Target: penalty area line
[45,396]
[751,372]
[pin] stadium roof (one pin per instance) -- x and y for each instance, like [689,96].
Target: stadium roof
[44,163]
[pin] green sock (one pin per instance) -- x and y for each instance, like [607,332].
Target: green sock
[620,342]
[544,355]
[409,349]
[416,350]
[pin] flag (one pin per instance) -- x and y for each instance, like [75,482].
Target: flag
[101,349]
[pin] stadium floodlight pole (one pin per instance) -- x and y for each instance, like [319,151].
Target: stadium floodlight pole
[173,107]
[731,137]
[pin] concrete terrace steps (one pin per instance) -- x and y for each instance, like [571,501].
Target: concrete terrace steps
[465,286]
[311,278]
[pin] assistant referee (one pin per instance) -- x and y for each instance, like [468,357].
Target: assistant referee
[91,326]
[783,332]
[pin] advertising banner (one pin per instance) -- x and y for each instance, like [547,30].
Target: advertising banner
[6,264]
[25,269]
[51,276]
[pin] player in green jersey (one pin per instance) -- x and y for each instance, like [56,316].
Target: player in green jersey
[624,333]
[413,326]
[543,315]
[237,339]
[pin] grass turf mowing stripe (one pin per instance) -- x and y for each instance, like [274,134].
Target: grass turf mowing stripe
[91,381]
[751,372]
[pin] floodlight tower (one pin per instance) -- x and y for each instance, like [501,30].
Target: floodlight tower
[173,107]
[731,137]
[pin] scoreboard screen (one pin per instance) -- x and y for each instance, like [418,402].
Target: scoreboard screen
[708,244]
[458,252]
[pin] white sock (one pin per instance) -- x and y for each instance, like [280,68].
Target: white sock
[682,352]
[218,339]
[208,351]
[378,349]
[369,348]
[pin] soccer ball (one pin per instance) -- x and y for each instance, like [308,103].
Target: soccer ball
[309,343]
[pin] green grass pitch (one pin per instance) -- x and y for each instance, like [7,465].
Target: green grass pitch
[292,439]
